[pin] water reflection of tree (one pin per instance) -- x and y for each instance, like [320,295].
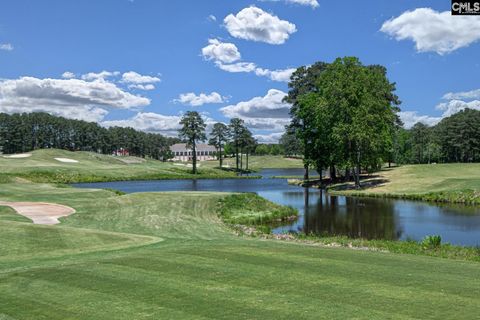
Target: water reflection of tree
[352,217]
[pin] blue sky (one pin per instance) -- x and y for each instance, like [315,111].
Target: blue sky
[152,52]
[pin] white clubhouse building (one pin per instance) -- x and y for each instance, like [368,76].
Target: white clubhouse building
[204,152]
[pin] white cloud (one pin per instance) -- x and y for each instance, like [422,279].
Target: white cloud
[68,75]
[237,67]
[409,118]
[221,51]
[146,87]
[263,113]
[212,18]
[311,3]
[72,98]
[451,107]
[226,56]
[91,76]
[198,100]
[149,122]
[253,23]
[276,75]
[466,95]
[435,31]
[136,78]
[6,46]
[155,122]
[268,138]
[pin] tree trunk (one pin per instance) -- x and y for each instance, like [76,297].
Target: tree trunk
[194,154]
[358,170]
[241,159]
[246,167]
[333,173]
[305,176]
[347,174]
[236,156]
[220,157]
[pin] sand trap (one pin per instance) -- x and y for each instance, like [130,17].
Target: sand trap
[40,212]
[179,164]
[18,156]
[66,160]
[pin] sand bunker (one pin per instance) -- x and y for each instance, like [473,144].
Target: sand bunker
[66,160]
[18,156]
[40,212]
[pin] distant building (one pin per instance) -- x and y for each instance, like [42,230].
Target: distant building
[204,152]
[121,152]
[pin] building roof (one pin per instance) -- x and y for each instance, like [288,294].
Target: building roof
[183,147]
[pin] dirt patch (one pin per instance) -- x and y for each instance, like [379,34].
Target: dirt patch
[40,212]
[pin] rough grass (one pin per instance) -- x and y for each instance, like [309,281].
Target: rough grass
[249,208]
[104,262]
[458,183]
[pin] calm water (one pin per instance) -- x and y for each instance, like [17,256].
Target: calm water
[322,213]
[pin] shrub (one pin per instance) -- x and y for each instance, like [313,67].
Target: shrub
[432,242]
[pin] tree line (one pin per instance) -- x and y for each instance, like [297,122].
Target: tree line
[454,139]
[235,135]
[30,131]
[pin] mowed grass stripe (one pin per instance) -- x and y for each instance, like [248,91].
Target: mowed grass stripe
[197,296]
[331,278]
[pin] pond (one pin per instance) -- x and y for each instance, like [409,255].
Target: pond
[324,214]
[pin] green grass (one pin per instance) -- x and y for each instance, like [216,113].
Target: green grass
[169,256]
[458,183]
[259,162]
[93,167]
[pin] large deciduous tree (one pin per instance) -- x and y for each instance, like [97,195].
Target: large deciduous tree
[192,131]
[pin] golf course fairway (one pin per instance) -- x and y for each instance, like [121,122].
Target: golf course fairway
[169,256]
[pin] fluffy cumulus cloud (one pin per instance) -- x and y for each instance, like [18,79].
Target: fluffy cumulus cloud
[465,95]
[138,81]
[253,23]
[100,75]
[156,123]
[195,100]
[149,122]
[6,46]
[71,98]
[226,57]
[68,75]
[434,31]
[268,138]
[262,113]
[409,118]
[455,102]
[312,3]
[221,51]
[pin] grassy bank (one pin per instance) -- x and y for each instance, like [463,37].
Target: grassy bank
[168,255]
[259,162]
[42,166]
[455,183]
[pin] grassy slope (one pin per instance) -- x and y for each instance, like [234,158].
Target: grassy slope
[445,180]
[201,270]
[42,167]
[260,162]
